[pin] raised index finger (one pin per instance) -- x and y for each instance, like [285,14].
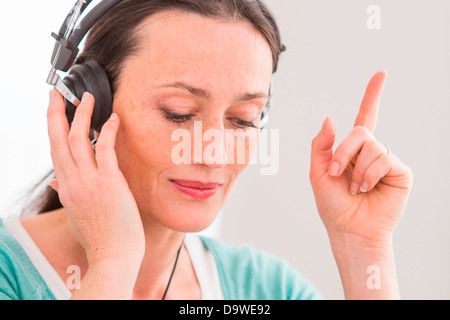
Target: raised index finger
[368,112]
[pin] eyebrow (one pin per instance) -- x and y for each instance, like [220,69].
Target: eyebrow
[202,93]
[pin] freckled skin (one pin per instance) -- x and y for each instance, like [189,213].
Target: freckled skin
[224,58]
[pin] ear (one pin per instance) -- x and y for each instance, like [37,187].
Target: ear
[54,185]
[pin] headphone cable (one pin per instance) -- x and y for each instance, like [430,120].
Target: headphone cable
[173,270]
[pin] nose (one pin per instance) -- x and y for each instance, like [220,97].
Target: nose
[212,152]
[214,162]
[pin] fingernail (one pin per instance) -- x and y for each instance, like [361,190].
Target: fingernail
[364,187]
[354,188]
[113,116]
[85,97]
[325,121]
[334,168]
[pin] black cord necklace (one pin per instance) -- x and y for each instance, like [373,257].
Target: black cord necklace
[173,270]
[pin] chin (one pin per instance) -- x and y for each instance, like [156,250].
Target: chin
[190,227]
[184,219]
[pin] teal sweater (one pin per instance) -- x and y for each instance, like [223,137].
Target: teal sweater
[245,274]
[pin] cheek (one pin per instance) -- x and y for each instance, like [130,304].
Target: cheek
[155,145]
[143,151]
[150,138]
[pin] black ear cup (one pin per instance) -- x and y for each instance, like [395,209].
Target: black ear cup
[91,77]
[265,114]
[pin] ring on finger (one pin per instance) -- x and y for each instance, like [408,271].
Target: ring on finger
[388,150]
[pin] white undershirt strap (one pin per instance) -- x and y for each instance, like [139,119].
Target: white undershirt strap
[205,268]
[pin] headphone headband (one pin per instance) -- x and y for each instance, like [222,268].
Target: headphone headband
[69,37]
[66,50]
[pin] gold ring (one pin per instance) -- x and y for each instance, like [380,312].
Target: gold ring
[388,150]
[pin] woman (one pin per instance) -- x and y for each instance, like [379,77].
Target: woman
[126,214]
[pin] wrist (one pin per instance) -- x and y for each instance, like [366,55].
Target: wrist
[366,267]
[353,246]
[114,256]
[109,279]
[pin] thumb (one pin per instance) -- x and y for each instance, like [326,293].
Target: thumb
[322,148]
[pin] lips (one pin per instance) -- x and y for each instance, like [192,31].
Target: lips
[197,184]
[196,189]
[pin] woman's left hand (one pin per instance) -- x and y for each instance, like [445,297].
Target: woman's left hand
[373,212]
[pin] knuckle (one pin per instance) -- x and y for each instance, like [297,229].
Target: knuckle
[101,146]
[361,130]
[55,145]
[74,138]
[343,153]
[371,146]
[370,176]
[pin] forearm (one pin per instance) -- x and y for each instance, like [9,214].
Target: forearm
[109,279]
[367,270]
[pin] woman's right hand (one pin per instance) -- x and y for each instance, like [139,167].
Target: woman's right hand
[101,210]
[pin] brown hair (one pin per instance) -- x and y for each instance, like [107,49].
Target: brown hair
[115,36]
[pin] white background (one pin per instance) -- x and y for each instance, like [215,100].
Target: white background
[330,57]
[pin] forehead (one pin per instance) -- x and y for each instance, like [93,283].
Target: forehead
[197,49]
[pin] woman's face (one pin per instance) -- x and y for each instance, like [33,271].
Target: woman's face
[226,60]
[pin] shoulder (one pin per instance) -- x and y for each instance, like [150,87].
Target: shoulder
[19,280]
[250,274]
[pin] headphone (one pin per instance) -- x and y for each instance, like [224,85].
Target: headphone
[90,75]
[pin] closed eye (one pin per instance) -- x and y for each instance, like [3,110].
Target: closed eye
[179,118]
